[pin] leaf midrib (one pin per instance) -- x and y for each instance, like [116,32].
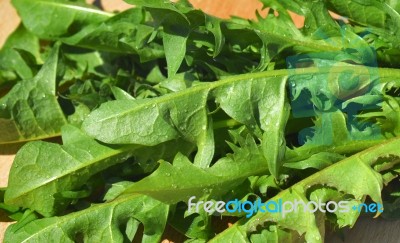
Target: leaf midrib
[72,6]
[217,179]
[383,72]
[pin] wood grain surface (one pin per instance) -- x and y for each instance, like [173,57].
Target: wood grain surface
[366,230]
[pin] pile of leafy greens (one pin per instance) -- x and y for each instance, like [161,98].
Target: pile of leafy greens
[163,102]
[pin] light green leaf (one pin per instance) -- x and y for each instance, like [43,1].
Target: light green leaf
[274,234]
[353,176]
[30,110]
[122,33]
[317,161]
[212,181]
[214,26]
[249,100]
[120,94]
[52,169]
[175,30]
[42,17]
[99,223]
[11,60]
[175,49]
[373,13]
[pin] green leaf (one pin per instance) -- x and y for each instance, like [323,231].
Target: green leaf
[360,180]
[175,49]
[164,54]
[11,60]
[317,161]
[52,169]
[256,100]
[120,94]
[342,219]
[212,181]
[228,172]
[48,19]
[78,62]
[85,26]
[30,110]
[116,190]
[123,33]
[196,226]
[185,114]
[175,30]
[100,222]
[388,118]
[214,26]
[279,33]
[157,4]
[332,135]
[274,234]
[274,123]
[372,13]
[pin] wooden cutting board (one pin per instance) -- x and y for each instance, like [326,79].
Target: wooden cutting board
[366,229]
